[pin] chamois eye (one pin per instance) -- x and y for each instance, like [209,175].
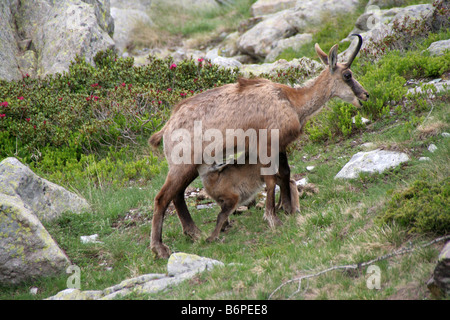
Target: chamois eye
[347,76]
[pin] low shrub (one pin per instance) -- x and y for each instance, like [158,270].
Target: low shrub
[89,113]
[423,208]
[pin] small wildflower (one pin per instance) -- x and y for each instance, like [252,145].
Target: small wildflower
[4,104]
[123,84]
[20,98]
[60,99]
[94,85]
[200,59]
[2,115]
[169,89]
[28,119]
[160,102]
[173,66]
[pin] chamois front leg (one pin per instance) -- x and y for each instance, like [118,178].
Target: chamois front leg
[227,206]
[270,214]
[288,192]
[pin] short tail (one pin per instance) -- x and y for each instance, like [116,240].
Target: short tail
[155,139]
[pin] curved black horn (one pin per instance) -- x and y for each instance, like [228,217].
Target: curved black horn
[358,47]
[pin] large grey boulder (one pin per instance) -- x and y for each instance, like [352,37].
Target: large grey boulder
[26,249]
[371,162]
[42,37]
[8,46]
[260,40]
[42,197]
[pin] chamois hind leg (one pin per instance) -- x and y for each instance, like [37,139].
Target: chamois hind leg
[189,227]
[176,182]
[227,206]
[288,195]
[270,214]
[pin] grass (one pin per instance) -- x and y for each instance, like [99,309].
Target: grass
[172,23]
[338,225]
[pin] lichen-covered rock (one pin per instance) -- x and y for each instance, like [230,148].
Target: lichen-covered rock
[42,197]
[181,266]
[26,249]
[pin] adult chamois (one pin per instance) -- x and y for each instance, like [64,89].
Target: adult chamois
[250,105]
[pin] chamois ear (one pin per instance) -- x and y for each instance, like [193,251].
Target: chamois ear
[322,55]
[332,58]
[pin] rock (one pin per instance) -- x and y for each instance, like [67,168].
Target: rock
[27,250]
[9,50]
[432,147]
[424,159]
[439,86]
[90,239]
[183,262]
[228,47]
[56,31]
[311,67]
[439,284]
[75,30]
[445,134]
[301,182]
[363,120]
[370,162]
[439,47]
[264,7]
[295,43]
[42,197]
[180,267]
[310,168]
[375,24]
[76,294]
[263,37]
[260,40]
[125,20]
[368,145]
[313,12]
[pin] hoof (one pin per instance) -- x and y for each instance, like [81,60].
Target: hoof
[161,251]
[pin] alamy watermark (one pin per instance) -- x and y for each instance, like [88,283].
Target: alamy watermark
[207,146]
[374,279]
[74,281]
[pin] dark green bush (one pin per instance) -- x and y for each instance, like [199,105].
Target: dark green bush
[422,208]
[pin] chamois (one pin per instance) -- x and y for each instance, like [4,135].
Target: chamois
[248,104]
[232,185]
